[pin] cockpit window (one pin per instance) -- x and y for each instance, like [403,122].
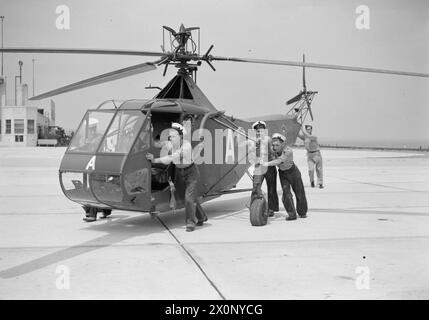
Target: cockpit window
[123,131]
[91,131]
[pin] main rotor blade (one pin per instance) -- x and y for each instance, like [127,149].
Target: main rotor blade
[85,51]
[322,66]
[303,74]
[106,77]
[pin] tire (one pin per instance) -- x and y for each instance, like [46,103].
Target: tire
[258,212]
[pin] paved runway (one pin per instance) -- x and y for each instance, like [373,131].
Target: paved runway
[366,237]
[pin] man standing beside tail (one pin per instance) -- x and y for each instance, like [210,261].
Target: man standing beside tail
[314,157]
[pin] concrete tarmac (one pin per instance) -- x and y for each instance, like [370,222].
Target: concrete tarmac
[366,237]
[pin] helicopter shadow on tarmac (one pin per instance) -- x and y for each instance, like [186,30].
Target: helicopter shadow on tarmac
[122,227]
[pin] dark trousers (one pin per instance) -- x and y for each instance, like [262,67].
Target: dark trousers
[190,176]
[271,180]
[292,178]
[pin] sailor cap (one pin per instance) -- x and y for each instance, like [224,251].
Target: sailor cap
[279,136]
[92,122]
[178,127]
[259,123]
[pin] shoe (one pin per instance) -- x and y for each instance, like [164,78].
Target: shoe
[90,214]
[312,184]
[303,216]
[190,227]
[271,213]
[106,213]
[201,222]
[321,186]
[291,217]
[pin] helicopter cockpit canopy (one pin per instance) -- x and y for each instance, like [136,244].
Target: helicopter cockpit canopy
[108,132]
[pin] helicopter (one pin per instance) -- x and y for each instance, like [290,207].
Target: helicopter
[105,167]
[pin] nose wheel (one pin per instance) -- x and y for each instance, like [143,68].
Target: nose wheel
[258,212]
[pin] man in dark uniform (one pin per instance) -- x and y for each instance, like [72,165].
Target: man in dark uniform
[262,149]
[290,176]
[179,151]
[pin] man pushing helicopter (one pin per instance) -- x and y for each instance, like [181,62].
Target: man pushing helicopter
[289,175]
[278,153]
[179,151]
[261,149]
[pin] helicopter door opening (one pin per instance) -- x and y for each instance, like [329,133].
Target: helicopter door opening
[161,172]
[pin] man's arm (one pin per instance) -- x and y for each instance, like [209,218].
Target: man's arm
[274,162]
[282,158]
[166,158]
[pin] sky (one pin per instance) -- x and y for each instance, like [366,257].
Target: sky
[350,106]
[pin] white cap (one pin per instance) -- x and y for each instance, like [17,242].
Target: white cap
[178,127]
[279,136]
[92,122]
[258,123]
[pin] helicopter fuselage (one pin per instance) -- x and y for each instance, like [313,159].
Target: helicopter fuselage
[105,165]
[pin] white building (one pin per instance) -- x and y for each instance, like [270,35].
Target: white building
[23,121]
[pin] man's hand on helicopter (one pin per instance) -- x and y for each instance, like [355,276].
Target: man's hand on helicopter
[263,163]
[149,156]
[259,163]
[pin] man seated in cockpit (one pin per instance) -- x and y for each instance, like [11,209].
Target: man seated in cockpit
[92,140]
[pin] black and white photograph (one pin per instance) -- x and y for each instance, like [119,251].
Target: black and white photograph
[242,150]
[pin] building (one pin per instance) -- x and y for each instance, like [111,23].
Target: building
[23,122]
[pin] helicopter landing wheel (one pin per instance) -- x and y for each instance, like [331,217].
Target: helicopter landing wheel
[258,212]
[106,213]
